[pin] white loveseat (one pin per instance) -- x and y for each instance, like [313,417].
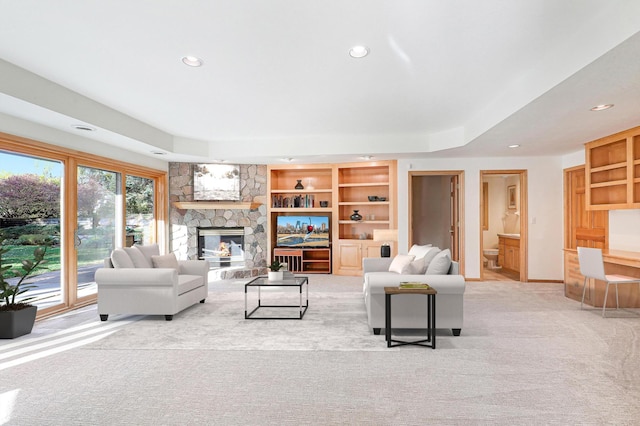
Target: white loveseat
[138,280]
[409,311]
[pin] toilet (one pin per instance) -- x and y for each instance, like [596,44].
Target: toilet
[492,257]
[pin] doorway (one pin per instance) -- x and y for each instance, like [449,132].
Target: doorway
[503,230]
[435,211]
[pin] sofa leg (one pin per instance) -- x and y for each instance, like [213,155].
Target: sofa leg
[103,317]
[202,301]
[376,331]
[456,331]
[168,317]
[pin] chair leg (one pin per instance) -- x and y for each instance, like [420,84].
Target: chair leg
[617,304]
[584,289]
[604,303]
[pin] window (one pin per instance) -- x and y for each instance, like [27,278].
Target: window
[81,206]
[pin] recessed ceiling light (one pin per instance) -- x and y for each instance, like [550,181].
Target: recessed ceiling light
[84,127]
[366,157]
[287,160]
[515,145]
[192,61]
[158,153]
[358,51]
[601,107]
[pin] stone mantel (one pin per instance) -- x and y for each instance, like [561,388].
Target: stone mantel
[208,205]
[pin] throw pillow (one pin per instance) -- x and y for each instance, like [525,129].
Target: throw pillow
[166,261]
[431,254]
[138,259]
[417,267]
[121,259]
[399,262]
[440,264]
[419,251]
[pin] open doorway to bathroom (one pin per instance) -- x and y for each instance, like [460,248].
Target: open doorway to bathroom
[503,217]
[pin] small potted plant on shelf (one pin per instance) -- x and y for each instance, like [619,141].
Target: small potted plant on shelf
[275,274]
[17,318]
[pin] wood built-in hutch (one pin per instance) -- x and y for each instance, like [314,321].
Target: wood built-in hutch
[610,180]
[343,188]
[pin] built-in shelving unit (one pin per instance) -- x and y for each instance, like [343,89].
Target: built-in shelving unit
[613,171]
[341,189]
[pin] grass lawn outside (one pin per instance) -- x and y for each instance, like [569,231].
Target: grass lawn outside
[16,254]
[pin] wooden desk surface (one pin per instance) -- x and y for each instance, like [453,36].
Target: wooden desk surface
[618,257]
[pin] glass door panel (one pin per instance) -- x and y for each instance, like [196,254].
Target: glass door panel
[140,221]
[97,223]
[30,217]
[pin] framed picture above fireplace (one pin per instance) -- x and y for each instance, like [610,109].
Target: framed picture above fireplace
[216,182]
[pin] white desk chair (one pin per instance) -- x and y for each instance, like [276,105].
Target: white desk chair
[592,266]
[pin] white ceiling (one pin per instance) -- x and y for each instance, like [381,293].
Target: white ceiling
[444,78]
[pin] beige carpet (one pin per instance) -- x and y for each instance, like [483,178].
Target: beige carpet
[527,355]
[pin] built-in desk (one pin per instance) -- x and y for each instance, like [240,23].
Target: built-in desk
[615,262]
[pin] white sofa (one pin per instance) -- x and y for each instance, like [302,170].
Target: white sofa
[137,280]
[410,311]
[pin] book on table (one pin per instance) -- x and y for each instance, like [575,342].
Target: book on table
[413,284]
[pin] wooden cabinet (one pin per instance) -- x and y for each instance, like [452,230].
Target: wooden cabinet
[613,171]
[351,252]
[307,260]
[583,228]
[573,279]
[509,253]
[342,189]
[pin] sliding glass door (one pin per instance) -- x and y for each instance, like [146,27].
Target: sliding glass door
[30,217]
[97,223]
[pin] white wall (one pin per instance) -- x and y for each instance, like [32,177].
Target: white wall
[545,208]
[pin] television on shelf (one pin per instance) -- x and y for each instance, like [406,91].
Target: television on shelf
[302,231]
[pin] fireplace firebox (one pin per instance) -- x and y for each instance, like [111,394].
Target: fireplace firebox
[222,247]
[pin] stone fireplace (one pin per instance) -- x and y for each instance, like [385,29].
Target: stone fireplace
[185,223]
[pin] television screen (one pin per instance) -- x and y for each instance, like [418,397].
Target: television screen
[302,231]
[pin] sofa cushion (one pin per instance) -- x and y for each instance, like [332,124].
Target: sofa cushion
[121,259]
[138,259]
[400,262]
[188,282]
[419,251]
[148,251]
[440,264]
[166,261]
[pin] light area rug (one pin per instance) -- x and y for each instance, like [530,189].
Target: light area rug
[334,321]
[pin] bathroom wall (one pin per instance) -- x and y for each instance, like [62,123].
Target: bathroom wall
[497,203]
[511,218]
